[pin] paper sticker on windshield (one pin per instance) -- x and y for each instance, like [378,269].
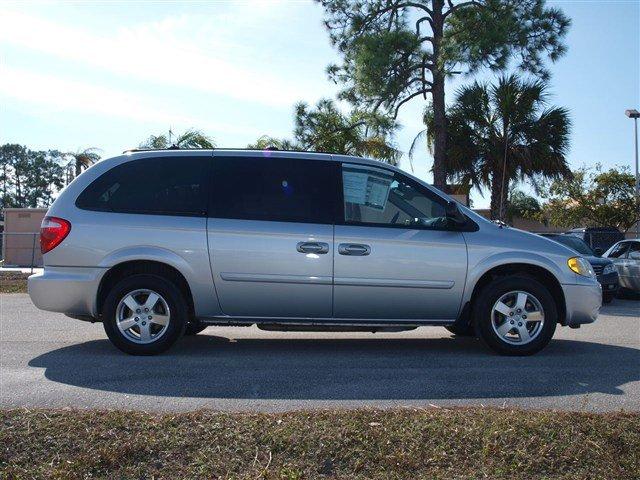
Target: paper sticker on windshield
[366,187]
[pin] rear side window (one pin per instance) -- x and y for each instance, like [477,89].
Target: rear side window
[155,186]
[276,189]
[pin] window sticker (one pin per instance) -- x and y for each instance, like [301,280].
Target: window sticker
[366,186]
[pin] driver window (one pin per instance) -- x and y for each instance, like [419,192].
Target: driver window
[619,250]
[377,196]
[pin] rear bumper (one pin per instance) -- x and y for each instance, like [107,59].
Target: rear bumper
[583,302]
[69,290]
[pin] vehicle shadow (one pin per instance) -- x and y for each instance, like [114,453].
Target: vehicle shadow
[622,308]
[206,366]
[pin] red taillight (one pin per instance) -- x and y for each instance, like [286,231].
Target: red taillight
[52,232]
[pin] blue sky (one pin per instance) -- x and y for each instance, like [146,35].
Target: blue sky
[79,74]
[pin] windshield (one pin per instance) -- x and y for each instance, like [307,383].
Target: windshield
[574,242]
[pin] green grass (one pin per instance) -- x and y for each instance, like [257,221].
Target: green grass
[353,444]
[13,282]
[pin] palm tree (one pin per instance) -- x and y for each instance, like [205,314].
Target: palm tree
[189,139]
[80,160]
[326,129]
[503,133]
[265,142]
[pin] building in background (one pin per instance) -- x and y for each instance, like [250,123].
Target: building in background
[21,237]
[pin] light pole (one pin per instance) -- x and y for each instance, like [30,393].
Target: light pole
[633,113]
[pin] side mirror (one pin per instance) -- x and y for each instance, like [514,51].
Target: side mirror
[598,251]
[454,214]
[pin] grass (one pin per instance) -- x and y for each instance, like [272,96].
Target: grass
[353,444]
[13,282]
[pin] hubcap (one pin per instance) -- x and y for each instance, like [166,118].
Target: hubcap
[140,327]
[517,317]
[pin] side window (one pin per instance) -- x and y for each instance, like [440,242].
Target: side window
[275,189]
[634,250]
[618,251]
[380,197]
[155,186]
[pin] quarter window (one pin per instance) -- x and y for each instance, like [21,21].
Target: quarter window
[275,189]
[158,186]
[380,197]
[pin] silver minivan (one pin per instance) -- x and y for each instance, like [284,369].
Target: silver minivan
[156,244]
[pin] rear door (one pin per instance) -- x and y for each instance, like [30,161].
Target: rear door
[270,235]
[395,257]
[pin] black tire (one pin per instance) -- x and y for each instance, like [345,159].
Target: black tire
[194,327]
[467,330]
[607,298]
[488,297]
[179,313]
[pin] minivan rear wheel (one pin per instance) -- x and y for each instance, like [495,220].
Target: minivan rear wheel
[144,314]
[515,315]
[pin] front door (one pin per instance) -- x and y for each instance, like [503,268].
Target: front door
[270,235]
[395,255]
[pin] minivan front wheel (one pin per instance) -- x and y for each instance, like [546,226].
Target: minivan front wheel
[144,314]
[516,315]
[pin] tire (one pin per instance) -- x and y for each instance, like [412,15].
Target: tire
[607,298]
[170,306]
[194,327]
[468,330]
[510,333]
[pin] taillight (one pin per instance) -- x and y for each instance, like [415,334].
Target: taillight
[52,232]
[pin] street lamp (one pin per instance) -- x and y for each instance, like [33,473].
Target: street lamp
[633,113]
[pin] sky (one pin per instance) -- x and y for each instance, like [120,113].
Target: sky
[75,75]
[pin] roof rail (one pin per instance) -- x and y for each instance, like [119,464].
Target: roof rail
[270,148]
[172,147]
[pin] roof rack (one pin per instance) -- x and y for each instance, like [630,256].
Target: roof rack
[172,147]
[271,148]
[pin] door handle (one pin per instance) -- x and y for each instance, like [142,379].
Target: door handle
[354,249]
[313,247]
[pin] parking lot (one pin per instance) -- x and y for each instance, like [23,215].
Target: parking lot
[49,360]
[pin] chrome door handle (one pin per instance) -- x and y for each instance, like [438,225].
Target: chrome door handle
[313,247]
[354,249]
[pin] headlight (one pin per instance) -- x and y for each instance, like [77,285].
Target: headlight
[609,269]
[581,266]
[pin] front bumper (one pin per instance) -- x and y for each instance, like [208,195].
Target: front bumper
[610,283]
[583,302]
[69,290]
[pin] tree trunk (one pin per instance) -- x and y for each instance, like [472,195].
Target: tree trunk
[437,94]
[498,207]
[440,133]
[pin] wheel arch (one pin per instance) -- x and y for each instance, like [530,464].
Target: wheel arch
[151,267]
[537,272]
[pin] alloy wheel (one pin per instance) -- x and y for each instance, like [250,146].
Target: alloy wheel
[143,316]
[517,317]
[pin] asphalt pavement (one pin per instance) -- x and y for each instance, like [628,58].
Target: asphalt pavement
[49,360]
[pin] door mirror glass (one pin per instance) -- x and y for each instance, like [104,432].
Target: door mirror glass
[598,251]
